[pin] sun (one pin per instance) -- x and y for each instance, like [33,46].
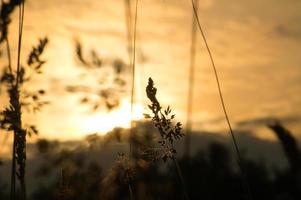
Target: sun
[103,122]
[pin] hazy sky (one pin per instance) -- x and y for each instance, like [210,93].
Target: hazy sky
[256,45]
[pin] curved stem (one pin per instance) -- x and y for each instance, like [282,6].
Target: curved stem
[239,158]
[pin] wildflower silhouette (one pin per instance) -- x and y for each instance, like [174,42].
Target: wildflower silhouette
[169,133]
[163,120]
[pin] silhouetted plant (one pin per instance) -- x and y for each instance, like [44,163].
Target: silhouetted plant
[11,119]
[289,145]
[245,182]
[31,100]
[211,172]
[163,121]
[7,9]
[34,59]
[11,116]
[293,154]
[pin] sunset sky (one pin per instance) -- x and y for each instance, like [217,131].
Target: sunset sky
[256,46]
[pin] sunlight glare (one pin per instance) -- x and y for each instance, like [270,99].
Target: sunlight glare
[103,122]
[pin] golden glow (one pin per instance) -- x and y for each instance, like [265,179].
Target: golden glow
[244,66]
[104,122]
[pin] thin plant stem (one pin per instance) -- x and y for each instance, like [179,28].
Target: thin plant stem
[239,158]
[22,136]
[191,83]
[179,172]
[133,76]
[19,134]
[13,170]
[21,20]
[132,51]
[8,56]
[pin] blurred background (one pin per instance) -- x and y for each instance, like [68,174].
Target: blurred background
[255,44]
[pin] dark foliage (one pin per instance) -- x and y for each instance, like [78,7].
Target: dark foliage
[289,144]
[11,116]
[21,97]
[34,59]
[6,10]
[292,179]
[209,174]
[163,121]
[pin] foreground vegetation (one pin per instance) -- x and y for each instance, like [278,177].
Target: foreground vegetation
[152,169]
[78,173]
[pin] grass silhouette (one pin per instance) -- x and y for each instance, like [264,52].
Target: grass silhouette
[235,144]
[19,97]
[138,175]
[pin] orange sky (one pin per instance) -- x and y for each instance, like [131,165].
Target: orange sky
[256,47]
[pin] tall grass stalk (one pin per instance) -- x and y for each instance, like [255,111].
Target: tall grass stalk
[133,75]
[13,168]
[21,20]
[13,112]
[238,155]
[191,83]
[8,50]
[132,52]
[19,150]
[169,131]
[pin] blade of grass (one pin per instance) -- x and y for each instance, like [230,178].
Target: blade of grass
[19,134]
[13,168]
[169,133]
[21,20]
[239,158]
[133,52]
